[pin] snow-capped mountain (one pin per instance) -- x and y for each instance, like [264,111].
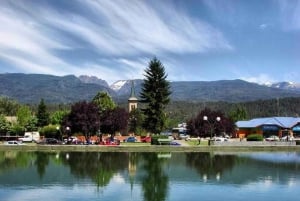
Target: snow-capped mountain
[116,86]
[285,85]
[123,87]
[68,89]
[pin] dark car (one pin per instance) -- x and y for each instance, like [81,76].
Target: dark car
[49,141]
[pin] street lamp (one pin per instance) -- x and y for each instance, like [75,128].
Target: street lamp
[211,124]
[58,129]
[68,131]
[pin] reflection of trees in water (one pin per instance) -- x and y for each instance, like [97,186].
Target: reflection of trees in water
[100,167]
[15,159]
[41,162]
[209,164]
[155,182]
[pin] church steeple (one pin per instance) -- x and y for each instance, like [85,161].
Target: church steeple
[132,92]
[132,101]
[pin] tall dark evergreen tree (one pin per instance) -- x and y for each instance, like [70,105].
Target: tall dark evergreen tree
[42,115]
[155,94]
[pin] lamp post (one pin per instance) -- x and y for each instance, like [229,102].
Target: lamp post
[211,124]
[68,131]
[58,129]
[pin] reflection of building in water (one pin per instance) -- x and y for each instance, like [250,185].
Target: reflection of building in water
[164,155]
[132,169]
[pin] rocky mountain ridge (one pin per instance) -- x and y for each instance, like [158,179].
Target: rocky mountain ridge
[30,88]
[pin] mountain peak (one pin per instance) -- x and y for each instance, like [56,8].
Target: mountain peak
[116,86]
[286,85]
[92,80]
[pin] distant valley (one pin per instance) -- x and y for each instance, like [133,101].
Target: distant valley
[30,88]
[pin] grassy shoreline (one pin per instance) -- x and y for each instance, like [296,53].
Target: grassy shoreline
[146,148]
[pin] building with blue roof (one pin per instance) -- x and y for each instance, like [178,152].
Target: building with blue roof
[279,126]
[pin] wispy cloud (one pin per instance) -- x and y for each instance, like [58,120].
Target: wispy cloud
[290,14]
[263,26]
[141,27]
[35,37]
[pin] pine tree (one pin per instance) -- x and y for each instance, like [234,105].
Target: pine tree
[42,114]
[155,94]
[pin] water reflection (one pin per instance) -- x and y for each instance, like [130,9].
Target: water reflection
[99,167]
[153,175]
[155,182]
[210,166]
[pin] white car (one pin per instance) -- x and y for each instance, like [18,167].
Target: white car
[287,138]
[220,139]
[272,138]
[13,142]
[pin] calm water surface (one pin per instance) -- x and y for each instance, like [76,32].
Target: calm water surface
[40,176]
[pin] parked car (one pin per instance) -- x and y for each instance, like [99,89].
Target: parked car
[110,142]
[146,139]
[49,141]
[220,139]
[130,139]
[287,138]
[272,138]
[72,140]
[13,142]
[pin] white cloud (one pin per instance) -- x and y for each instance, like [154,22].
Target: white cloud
[263,26]
[260,79]
[36,36]
[142,27]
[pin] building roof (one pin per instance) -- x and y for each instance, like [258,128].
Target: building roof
[283,122]
[132,93]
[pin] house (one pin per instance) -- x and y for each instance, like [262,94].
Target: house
[279,126]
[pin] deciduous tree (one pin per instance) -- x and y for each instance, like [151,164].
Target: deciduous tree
[197,126]
[104,102]
[83,118]
[114,120]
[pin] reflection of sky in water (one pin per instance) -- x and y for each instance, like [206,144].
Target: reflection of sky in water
[281,157]
[258,176]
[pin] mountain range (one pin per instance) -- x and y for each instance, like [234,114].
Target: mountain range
[30,88]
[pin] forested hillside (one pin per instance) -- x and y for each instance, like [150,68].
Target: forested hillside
[30,88]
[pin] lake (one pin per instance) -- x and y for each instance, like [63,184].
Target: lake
[111,176]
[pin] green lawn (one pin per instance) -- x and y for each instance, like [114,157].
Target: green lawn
[195,143]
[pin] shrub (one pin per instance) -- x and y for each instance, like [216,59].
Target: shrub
[50,131]
[255,137]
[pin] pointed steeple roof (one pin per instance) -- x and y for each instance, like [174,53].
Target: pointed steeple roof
[132,92]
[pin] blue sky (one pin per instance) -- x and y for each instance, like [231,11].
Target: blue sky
[196,40]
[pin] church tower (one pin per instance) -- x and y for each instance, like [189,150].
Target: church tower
[132,101]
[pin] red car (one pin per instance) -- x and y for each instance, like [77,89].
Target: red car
[146,139]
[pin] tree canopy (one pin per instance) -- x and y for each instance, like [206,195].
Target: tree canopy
[215,124]
[83,118]
[114,120]
[155,94]
[42,114]
[104,102]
